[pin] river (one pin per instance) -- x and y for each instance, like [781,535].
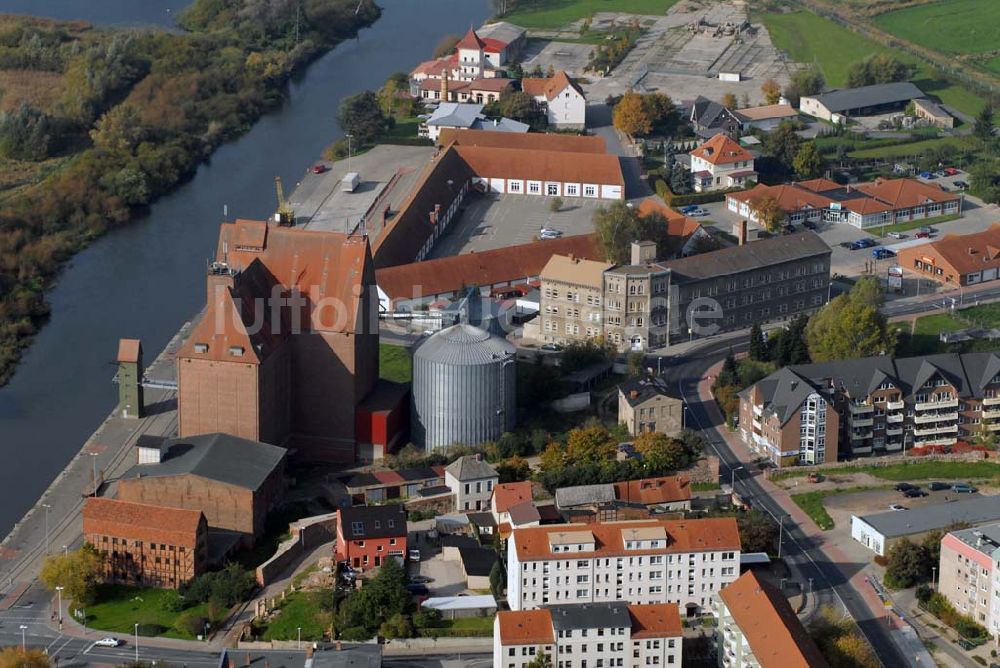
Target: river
[145,279]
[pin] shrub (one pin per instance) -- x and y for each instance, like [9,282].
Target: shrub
[355,633]
[663,190]
[881,560]
[172,601]
[924,593]
[152,629]
[191,623]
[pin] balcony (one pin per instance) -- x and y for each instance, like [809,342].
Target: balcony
[758,410]
[861,450]
[894,417]
[893,447]
[937,405]
[858,409]
[893,431]
[991,412]
[945,429]
[894,405]
[991,401]
[861,435]
[861,422]
[935,440]
[935,417]
[994,426]
[757,425]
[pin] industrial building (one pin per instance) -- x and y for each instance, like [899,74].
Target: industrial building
[589,634]
[464,388]
[956,259]
[880,531]
[839,105]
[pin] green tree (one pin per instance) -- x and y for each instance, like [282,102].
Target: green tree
[78,572]
[808,162]
[783,144]
[397,626]
[631,116]
[514,469]
[851,325]
[730,373]
[758,532]
[361,116]
[590,444]
[758,345]
[659,108]
[497,583]
[880,68]
[768,212]
[660,452]
[522,107]
[25,134]
[382,598]
[789,345]
[636,364]
[985,437]
[680,180]
[909,564]
[983,126]
[808,81]
[541,660]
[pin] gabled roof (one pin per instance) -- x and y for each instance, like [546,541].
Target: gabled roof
[471,41]
[769,624]
[524,513]
[511,494]
[140,521]
[387,521]
[652,491]
[637,391]
[471,467]
[537,141]
[680,228]
[847,99]
[575,271]
[783,392]
[737,259]
[967,253]
[721,150]
[767,112]
[655,620]
[581,495]
[709,114]
[905,192]
[525,627]
[549,87]
[455,114]
[536,165]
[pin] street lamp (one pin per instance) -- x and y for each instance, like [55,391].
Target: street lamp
[59,591]
[299,645]
[781,533]
[732,480]
[23,644]
[349,137]
[65,550]
[93,459]
[46,507]
[137,643]
[933,577]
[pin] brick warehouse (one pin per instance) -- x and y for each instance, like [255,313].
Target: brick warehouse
[146,545]
[235,482]
[291,373]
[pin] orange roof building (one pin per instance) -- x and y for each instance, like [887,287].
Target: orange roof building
[145,545]
[708,549]
[758,627]
[507,496]
[285,350]
[534,140]
[644,634]
[721,163]
[956,259]
[563,99]
[663,491]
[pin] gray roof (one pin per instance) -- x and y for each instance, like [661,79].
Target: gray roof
[471,467]
[464,345]
[755,255]
[580,495]
[221,457]
[499,125]
[455,115]
[709,114]
[645,389]
[350,656]
[501,30]
[933,108]
[590,616]
[387,521]
[868,96]
[973,510]
[985,539]
[783,393]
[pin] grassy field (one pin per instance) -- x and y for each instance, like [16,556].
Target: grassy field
[812,504]
[917,470]
[552,14]
[38,88]
[987,315]
[301,610]
[913,148]
[949,26]
[120,608]
[394,363]
[913,224]
[809,38]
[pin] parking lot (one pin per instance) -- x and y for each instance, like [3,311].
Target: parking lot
[499,221]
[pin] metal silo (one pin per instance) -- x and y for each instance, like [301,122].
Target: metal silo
[464,388]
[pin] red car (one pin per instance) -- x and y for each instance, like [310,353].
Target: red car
[318,169]
[922,235]
[950,171]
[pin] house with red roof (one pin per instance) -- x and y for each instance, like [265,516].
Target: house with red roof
[507,496]
[563,99]
[721,163]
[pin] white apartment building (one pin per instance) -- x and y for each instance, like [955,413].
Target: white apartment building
[471,481]
[721,163]
[564,101]
[970,574]
[589,635]
[757,628]
[641,561]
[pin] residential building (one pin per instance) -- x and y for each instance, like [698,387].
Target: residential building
[956,259]
[838,106]
[766,117]
[709,118]
[485,51]
[666,493]
[636,300]
[685,235]
[969,574]
[571,304]
[864,205]
[254,369]
[368,535]
[594,635]
[380,486]
[504,42]
[236,482]
[465,116]
[681,562]
[507,496]
[563,99]
[471,480]
[873,405]
[476,91]
[757,628]
[880,531]
[146,546]
[933,114]
[645,404]
[721,163]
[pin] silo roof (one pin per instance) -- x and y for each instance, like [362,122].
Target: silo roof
[464,344]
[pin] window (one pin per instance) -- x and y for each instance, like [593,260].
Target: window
[358,528]
[590,191]
[534,188]
[552,189]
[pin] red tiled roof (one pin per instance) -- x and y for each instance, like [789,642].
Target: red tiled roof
[537,165]
[485,268]
[388,477]
[789,196]
[140,521]
[549,87]
[769,625]
[865,205]
[649,491]
[655,620]
[487,85]
[491,45]
[470,41]
[526,627]
[524,140]
[510,494]
[721,150]
[819,185]
[967,253]
[902,193]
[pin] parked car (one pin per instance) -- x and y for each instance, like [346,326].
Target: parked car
[922,235]
[686,210]
[963,488]
[418,589]
[938,486]
[319,169]
[896,235]
[927,176]
[904,486]
[810,225]
[882,253]
[420,579]
[914,493]
[414,554]
[941,173]
[950,171]
[697,213]
[553,347]
[961,185]
[549,233]
[896,506]
[928,230]
[110,641]
[849,245]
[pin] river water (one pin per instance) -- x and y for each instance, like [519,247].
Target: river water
[144,280]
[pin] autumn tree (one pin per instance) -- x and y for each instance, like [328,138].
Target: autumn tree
[909,564]
[729,101]
[808,81]
[851,325]
[78,572]
[661,452]
[590,444]
[771,91]
[768,212]
[631,116]
[361,116]
[541,660]
[660,110]
[553,457]
[758,532]
[808,162]
[839,640]
[446,45]
[13,657]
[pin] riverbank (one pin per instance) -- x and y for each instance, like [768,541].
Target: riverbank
[103,122]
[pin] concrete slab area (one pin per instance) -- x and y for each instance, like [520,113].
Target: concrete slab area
[498,221]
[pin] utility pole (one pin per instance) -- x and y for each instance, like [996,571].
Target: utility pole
[781,533]
[46,507]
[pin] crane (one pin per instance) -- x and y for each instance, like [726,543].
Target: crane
[284,214]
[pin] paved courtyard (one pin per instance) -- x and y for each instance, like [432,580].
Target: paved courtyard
[498,221]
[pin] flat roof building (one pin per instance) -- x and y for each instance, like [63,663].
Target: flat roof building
[880,531]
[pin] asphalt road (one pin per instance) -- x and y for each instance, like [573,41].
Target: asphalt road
[828,583]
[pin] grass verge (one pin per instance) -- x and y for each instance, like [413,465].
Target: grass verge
[913,224]
[812,504]
[301,610]
[917,470]
[394,363]
[119,608]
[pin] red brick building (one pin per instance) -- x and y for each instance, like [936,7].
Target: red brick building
[150,546]
[367,535]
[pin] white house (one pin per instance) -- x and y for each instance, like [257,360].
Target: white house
[471,480]
[564,101]
[721,163]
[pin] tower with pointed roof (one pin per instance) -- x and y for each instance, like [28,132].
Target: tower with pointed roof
[471,56]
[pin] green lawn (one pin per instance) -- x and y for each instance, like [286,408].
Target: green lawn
[301,610]
[987,315]
[911,225]
[119,608]
[949,26]
[812,504]
[469,624]
[404,127]
[705,486]
[553,14]
[912,148]
[394,363]
[932,325]
[810,38]
[917,470]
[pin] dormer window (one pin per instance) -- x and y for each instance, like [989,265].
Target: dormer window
[358,528]
[201,347]
[236,351]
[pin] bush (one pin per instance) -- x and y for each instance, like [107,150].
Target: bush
[191,623]
[426,618]
[356,634]
[172,601]
[152,629]
[223,588]
[663,190]
[924,593]
[881,560]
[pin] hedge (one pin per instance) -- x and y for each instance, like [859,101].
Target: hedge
[663,190]
[454,633]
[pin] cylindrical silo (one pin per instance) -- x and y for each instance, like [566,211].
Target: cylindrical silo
[464,388]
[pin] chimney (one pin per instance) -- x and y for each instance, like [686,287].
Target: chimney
[743,233]
[643,252]
[634,394]
[444,85]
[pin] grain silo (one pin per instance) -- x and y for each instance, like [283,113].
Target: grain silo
[464,388]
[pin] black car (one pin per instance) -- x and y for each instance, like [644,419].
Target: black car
[938,486]
[914,493]
[904,487]
[417,589]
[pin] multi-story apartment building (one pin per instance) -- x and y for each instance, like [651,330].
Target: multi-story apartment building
[878,404]
[589,635]
[642,561]
[970,574]
[636,301]
[758,629]
[571,298]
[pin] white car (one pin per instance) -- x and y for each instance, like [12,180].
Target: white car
[414,555]
[896,506]
[108,642]
[896,235]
